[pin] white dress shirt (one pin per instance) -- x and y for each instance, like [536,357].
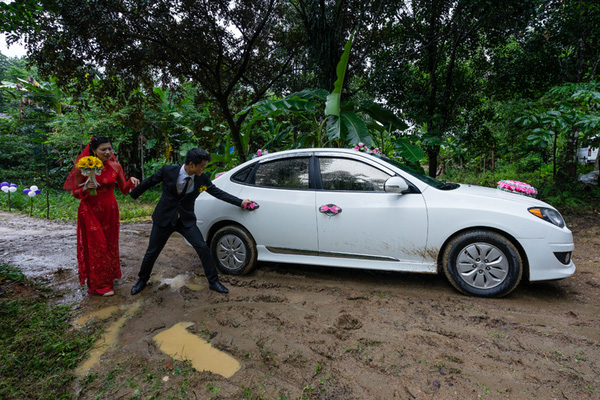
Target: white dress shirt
[181,181]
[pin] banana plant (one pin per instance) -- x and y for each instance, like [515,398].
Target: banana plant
[45,94]
[325,119]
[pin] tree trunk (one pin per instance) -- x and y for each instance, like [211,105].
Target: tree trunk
[432,154]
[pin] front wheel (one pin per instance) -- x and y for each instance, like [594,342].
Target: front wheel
[234,250]
[482,263]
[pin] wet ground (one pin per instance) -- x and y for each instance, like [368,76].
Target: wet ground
[287,332]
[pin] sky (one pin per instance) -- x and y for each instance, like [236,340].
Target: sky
[15,50]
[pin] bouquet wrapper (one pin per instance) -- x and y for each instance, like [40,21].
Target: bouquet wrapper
[93,191]
[91,174]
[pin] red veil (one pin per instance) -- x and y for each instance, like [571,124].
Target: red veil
[70,182]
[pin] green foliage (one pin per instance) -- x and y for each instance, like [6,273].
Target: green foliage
[555,119]
[568,198]
[10,272]
[38,346]
[61,204]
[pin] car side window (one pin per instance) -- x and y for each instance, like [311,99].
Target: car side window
[289,173]
[346,174]
[242,175]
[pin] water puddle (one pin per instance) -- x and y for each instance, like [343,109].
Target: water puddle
[110,336]
[99,314]
[183,345]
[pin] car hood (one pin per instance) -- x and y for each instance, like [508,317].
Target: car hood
[486,192]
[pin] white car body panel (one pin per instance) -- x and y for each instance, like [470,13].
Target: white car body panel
[383,231]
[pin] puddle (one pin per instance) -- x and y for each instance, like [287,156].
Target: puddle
[108,339]
[99,314]
[183,345]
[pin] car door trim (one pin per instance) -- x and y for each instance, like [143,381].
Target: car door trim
[298,252]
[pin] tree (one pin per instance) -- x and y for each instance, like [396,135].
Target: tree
[437,59]
[323,25]
[565,109]
[234,51]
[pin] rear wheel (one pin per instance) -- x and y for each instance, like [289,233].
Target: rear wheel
[234,250]
[482,263]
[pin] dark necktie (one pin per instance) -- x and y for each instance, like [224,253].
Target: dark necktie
[185,187]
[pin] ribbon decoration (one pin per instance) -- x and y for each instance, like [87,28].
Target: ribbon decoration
[251,206]
[330,209]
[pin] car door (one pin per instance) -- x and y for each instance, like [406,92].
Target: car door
[372,225]
[286,221]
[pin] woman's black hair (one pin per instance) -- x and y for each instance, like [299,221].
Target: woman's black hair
[97,141]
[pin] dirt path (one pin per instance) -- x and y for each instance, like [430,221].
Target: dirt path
[308,332]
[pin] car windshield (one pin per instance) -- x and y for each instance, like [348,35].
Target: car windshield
[443,185]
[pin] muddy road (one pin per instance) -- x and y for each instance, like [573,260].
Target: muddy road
[289,332]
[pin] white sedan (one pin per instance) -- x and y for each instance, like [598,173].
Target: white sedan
[351,209]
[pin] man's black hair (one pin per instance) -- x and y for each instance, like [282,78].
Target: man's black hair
[196,156]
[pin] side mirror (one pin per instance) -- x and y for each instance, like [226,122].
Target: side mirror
[395,184]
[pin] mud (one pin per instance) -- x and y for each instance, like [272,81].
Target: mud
[313,332]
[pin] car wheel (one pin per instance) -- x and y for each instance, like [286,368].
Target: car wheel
[482,263]
[234,250]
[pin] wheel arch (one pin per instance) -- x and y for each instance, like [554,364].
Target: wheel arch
[508,236]
[220,224]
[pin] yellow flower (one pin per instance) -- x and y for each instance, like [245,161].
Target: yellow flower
[89,162]
[82,162]
[202,189]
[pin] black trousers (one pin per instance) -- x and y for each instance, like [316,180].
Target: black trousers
[158,239]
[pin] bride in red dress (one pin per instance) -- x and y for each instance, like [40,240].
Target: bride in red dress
[98,218]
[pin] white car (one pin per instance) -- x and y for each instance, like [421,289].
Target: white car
[351,209]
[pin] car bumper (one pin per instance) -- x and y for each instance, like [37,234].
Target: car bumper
[543,263]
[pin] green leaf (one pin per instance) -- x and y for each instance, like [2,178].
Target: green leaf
[334,127]
[332,107]
[354,129]
[384,116]
[411,152]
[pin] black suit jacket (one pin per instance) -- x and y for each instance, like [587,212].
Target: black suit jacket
[171,204]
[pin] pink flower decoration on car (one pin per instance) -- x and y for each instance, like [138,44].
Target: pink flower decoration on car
[517,187]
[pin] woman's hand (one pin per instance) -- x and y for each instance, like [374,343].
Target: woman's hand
[135,181]
[89,185]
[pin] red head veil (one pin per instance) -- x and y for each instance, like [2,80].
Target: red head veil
[70,182]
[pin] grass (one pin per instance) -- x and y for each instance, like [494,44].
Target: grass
[39,349]
[61,205]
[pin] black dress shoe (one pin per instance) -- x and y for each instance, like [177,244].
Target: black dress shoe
[218,287]
[138,287]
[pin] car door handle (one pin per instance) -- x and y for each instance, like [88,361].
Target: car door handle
[330,209]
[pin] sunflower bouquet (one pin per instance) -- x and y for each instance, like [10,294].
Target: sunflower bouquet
[90,166]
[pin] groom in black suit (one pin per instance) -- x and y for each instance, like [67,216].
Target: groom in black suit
[175,213]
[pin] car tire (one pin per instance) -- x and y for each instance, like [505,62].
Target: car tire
[482,263]
[234,250]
